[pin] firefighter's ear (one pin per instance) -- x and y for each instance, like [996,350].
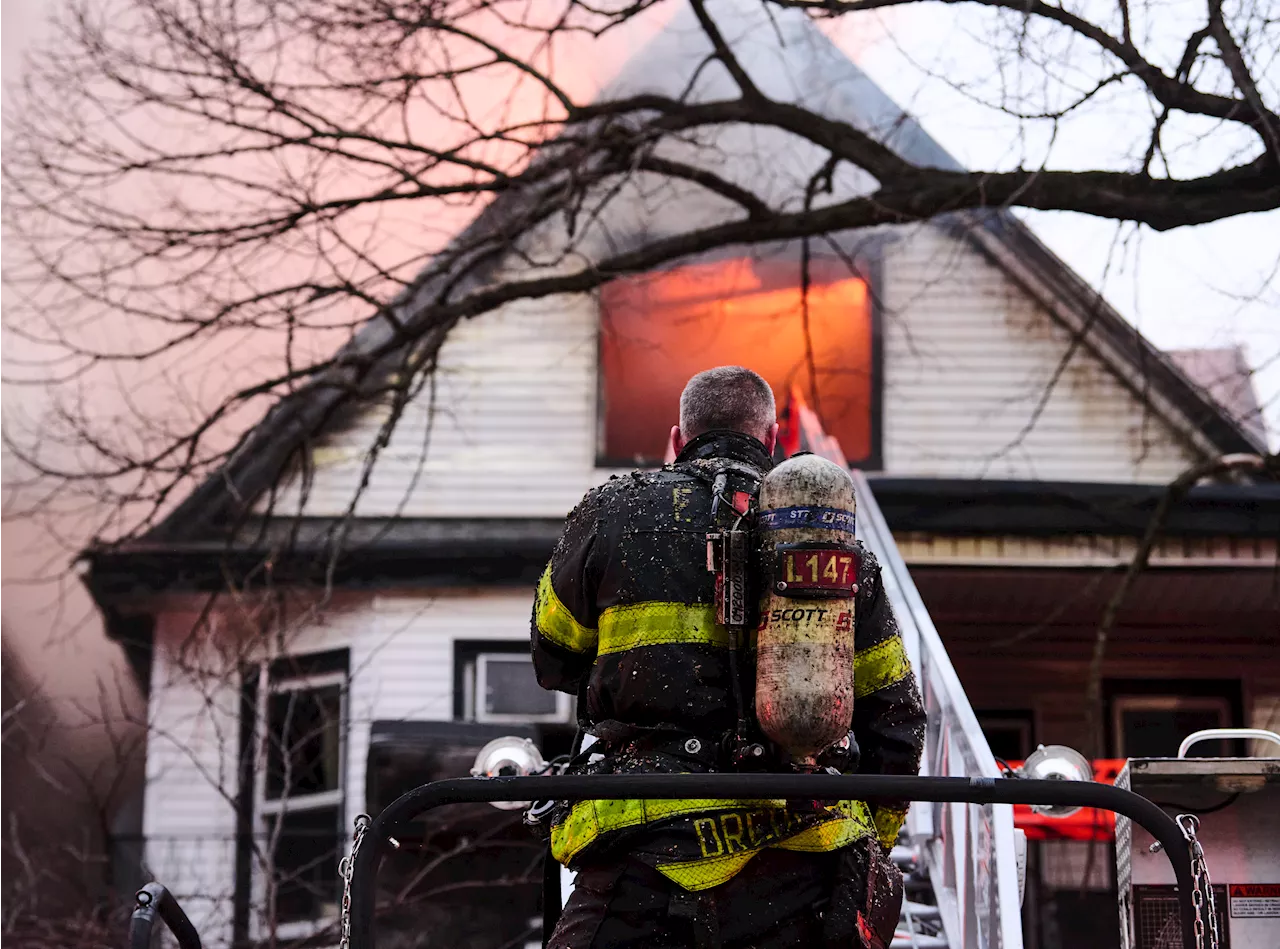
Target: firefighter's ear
[771,439]
[677,442]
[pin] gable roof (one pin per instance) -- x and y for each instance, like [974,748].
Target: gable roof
[790,58]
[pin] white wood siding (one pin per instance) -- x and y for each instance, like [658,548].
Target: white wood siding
[510,429]
[189,818]
[508,432]
[969,357]
[401,668]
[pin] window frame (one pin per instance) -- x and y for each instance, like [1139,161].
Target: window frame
[263,806]
[1020,720]
[1229,689]
[274,679]
[466,652]
[563,712]
[1164,702]
[864,252]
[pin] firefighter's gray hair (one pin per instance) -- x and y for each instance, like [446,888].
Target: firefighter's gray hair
[727,397]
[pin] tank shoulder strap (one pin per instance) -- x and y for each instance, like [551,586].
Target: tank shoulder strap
[709,469]
[716,472]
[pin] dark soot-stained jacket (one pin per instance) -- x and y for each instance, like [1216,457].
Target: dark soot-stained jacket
[627,604]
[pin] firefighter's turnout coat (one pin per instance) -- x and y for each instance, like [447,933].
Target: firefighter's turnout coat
[625,618]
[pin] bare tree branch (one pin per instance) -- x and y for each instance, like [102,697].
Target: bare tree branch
[321,163]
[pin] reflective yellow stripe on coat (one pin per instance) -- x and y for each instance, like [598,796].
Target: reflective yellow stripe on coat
[556,622]
[888,821]
[653,623]
[880,666]
[588,821]
[657,623]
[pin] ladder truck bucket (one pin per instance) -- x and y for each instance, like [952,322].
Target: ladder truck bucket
[1229,808]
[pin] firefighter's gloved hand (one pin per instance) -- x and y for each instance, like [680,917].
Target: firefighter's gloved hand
[540,815]
[843,756]
[866,899]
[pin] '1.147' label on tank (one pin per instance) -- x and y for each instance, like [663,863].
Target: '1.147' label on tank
[816,571]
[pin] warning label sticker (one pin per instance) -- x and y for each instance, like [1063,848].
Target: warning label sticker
[1254,900]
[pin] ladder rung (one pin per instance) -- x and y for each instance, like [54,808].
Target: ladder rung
[923,911]
[904,857]
[903,940]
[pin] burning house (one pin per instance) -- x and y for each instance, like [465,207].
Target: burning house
[315,641]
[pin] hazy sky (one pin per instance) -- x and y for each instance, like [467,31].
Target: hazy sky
[1212,285]
[22,23]
[51,623]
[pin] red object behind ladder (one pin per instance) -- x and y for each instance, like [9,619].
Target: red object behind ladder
[1088,823]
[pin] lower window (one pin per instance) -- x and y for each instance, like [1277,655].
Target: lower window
[306,848]
[299,795]
[1009,733]
[1153,726]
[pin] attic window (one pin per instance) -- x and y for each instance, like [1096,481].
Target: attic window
[659,329]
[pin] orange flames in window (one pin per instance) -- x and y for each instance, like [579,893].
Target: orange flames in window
[659,329]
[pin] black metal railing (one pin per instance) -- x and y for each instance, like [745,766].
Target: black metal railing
[866,787]
[154,899]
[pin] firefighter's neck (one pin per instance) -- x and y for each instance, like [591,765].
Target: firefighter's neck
[679,441]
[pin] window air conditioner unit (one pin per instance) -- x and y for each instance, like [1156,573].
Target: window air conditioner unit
[507,692]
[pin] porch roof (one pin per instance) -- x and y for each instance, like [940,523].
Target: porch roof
[938,522]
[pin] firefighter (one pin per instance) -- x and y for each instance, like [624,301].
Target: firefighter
[624,618]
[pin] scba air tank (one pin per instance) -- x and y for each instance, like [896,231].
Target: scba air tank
[804,643]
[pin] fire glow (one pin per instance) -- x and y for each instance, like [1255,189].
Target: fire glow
[659,329]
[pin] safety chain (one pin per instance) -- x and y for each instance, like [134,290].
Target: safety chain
[346,866]
[1202,886]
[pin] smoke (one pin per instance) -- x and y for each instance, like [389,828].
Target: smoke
[74,713]
[72,708]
